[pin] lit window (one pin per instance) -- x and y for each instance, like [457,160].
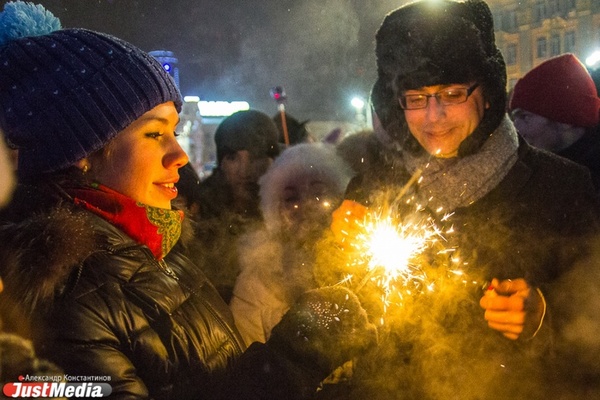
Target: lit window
[570,42]
[541,48]
[511,54]
[555,45]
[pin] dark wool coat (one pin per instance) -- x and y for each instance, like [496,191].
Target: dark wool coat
[586,151]
[99,304]
[536,224]
[218,227]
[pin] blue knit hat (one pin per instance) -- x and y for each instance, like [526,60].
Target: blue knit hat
[66,93]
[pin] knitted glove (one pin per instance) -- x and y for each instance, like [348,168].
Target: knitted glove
[325,328]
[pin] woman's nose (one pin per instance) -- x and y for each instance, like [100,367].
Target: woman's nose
[175,156]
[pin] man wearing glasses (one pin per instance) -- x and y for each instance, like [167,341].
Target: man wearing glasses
[429,121]
[511,215]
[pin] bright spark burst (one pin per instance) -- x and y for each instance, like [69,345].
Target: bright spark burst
[398,255]
[391,256]
[392,249]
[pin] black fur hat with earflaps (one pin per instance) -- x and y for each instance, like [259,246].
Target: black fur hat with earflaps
[428,43]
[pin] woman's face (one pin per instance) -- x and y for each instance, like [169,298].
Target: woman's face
[143,160]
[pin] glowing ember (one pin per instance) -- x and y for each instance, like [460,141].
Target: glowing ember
[393,248]
[390,251]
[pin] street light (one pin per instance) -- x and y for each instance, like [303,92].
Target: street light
[359,105]
[593,59]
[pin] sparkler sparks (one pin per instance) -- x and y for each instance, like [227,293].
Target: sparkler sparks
[397,252]
[395,257]
[391,254]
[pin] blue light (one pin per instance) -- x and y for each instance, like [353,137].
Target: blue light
[167,67]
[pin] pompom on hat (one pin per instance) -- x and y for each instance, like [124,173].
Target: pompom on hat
[560,89]
[65,93]
[428,43]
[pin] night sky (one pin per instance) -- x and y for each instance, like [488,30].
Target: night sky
[320,51]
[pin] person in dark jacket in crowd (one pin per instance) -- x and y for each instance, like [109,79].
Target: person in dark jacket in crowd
[355,149]
[228,200]
[510,214]
[94,251]
[556,107]
[17,355]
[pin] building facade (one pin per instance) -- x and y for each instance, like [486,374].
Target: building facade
[529,32]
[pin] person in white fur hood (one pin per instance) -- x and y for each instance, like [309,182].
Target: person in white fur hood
[297,196]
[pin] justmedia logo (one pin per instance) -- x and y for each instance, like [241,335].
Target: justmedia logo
[56,389]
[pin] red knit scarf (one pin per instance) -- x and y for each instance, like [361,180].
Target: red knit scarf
[157,228]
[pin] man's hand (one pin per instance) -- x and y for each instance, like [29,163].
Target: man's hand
[513,308]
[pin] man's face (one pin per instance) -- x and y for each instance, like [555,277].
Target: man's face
[242,171]
[543,133]
[439,128]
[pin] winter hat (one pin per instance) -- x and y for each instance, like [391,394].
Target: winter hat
[66,93]
[249,130]
[428,43]
[560,89]
[296,161]
[297,131]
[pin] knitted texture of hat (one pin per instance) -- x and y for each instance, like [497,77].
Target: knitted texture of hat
[65,94]
[560,89]
[428,43]
[249,130]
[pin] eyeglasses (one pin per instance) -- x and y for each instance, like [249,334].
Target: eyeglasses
[446,97]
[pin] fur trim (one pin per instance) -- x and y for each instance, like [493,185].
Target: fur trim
[430,43]
[296,161]
[41,252]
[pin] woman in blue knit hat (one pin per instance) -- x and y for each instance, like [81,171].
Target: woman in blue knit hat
[94,253]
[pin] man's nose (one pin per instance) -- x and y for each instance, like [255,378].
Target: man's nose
[435,109]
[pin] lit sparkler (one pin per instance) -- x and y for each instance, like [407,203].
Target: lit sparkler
[391,253]
[394,252]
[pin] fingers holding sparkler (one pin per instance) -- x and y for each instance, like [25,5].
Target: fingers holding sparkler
[513,308]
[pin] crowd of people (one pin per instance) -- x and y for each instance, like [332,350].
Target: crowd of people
[119,263]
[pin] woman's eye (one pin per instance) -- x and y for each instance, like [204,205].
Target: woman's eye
[154,135]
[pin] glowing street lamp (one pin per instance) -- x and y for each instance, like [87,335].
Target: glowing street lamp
[359,105]
[593,59]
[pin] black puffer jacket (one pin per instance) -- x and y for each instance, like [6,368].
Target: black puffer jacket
[103,305]
[99,304]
